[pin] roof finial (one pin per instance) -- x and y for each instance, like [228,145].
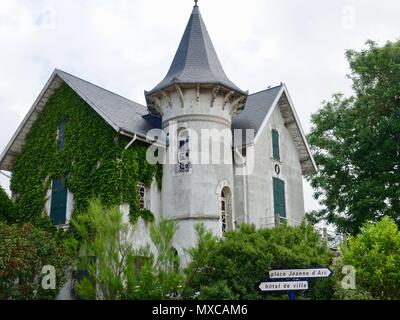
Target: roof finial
[195,3]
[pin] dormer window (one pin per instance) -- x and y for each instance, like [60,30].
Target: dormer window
[275,145]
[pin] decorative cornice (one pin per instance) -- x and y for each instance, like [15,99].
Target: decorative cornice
[214,93]
[181,97]
[167,97]
[198,117]
[198,93]
[227,98]
[238,105]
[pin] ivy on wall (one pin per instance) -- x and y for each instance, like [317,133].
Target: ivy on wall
[94,160]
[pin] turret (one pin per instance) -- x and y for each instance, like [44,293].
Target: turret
[194,96]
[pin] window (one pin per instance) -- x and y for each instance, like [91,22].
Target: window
[142,192]
[58,208]
[275,145]
[279,200]
[183,152]
[61,136]
[226,210]
[223,212]
[82,271]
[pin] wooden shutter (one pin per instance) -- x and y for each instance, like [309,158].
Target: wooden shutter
[58,209]
[275,145]
[279,198]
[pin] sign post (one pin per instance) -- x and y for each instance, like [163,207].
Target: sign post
[300,273]
[283,286]
[294,275]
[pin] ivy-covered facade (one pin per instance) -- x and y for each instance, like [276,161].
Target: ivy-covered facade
[71,144]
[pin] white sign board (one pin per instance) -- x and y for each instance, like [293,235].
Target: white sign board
[283,286]
[300,273]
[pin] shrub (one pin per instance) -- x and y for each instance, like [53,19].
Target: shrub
[233,267]
[375,254]
[7,208]
[116,268]
[24,251]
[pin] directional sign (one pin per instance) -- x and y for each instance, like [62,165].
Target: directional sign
[283,286]
[300,273]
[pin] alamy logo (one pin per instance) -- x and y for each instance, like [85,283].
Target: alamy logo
[49,277]
[349,281]
[185,147]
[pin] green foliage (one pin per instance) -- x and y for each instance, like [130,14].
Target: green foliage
[160,276]
[233,267]
[7,208]
[24,251]
[114,263]
[375,254]
[356,143]
[341,293]
[94,160]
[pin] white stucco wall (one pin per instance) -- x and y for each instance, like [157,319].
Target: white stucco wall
[260,203]
[141,232]
[195,197]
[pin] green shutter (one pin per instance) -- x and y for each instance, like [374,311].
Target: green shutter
[58,209]
[275,145]
[279,198]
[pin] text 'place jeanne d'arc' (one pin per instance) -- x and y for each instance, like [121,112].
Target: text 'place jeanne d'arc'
[300,273]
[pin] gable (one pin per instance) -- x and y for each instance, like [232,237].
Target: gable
[123,115]
[258,109]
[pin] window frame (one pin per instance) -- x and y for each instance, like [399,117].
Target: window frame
[276,145]
[184,165]
[54,206]
[61,136]
[277,186]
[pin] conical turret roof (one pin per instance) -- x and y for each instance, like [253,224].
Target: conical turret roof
[196,60]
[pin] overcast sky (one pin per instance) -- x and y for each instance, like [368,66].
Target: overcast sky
[127,46]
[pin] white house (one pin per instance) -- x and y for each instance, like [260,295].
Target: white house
[260,179]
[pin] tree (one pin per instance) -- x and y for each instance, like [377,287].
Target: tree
[114,266]
[24,251]
[375,255]
[234,266]
[355,142]
[7,209]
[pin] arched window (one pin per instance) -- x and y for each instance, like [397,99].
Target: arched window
[226,210]
[223,212]
[142,193]
[183,152]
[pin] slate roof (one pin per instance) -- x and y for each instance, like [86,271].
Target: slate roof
[124,115]
[121,113]
[130,118]
[255,111]
[196,60]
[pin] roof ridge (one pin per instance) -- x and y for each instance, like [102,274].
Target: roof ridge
[95,85]
[265,90]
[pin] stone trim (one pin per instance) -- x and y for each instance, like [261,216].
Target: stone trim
[198,117]
[196,217]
